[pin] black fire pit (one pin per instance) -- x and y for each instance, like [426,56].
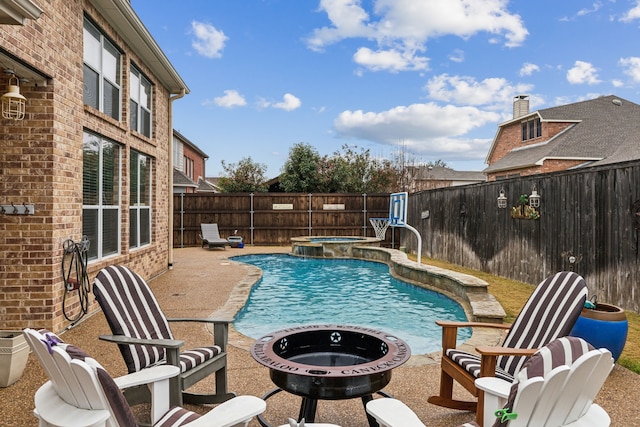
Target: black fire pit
[329,362]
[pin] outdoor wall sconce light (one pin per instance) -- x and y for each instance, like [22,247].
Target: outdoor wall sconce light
[502,200]
[534,198]
[13,102]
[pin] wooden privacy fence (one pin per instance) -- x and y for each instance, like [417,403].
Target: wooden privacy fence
[589,216]
[274,218]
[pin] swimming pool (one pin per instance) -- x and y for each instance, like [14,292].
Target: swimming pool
[298,291]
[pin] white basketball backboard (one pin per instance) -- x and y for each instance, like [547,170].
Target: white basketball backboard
[398,209]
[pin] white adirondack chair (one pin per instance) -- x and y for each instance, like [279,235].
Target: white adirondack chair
[556,387]
[80,393]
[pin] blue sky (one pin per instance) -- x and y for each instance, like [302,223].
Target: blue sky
[432,78]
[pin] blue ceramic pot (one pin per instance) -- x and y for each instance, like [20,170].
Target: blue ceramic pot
[605,326]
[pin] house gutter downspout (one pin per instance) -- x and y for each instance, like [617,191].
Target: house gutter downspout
[170,177]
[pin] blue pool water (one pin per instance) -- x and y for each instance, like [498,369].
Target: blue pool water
[296,291]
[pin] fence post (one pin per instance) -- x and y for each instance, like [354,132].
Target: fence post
[364,215]
[310,211]
[182,220]
[251,215]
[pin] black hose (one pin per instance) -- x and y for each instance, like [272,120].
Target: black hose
[74,274]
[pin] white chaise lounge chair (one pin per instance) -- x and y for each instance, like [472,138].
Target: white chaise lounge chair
[81,393]
[210,236]
[555,387]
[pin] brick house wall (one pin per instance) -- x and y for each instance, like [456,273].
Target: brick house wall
[510,137]
[198,162]
[41,163]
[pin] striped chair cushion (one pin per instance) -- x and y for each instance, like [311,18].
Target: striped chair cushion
[192,358]
[119,406]
[471,363]
[549,313]
[562,351]
[176,416]
[125,298]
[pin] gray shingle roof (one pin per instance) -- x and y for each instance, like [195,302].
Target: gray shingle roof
[444,173]
[605,130]
[182,180]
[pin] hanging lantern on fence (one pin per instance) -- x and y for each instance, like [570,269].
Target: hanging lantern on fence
[534,198]
[502,200]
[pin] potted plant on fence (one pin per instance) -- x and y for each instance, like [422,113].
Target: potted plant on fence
[14,352]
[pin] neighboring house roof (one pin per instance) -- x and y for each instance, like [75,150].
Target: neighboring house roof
[604,130]
[448,174]
[206,187]
[182,180]
[191,145]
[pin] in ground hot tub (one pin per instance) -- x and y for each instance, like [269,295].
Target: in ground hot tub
[329,246]
[329,362]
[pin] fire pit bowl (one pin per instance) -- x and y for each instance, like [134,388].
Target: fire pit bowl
[330,362]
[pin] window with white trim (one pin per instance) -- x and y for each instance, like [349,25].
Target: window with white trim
[101,189]
[140,200]
[531,129]
[102,69]
[139,102]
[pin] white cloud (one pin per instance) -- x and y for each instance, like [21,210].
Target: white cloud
[230,99]
[348,19]
[289,103]
[633,13]
[423,128]
[400,28]
[209,41]
[594,8]
[617,83]
[457,56]
[391,60]
[464,90]
[583,73]
[528,69]
[631,67]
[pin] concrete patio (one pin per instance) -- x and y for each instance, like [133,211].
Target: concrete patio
[206,283]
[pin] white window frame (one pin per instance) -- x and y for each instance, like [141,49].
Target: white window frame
[98,63]
[137,207]
[137,84]
[96,250]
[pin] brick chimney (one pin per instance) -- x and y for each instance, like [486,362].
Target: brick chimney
[520,106]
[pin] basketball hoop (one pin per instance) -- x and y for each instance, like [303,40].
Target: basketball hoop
[380,226]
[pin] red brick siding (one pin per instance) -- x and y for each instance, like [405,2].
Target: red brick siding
[41,164]
[510,137]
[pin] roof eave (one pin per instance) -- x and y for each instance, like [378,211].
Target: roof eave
[16,12]
[126,22]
